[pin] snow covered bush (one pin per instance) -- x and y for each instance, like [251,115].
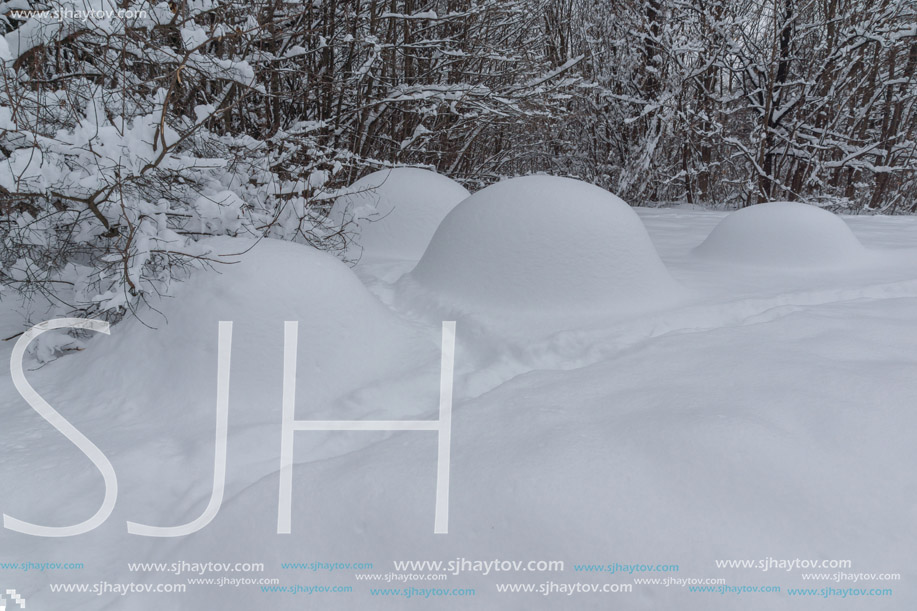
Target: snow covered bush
[396,212]
[547,245]
[119,152]
[129,132]
[784,234]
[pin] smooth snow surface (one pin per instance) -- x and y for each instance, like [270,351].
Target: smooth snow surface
[395,212]
[784,234]
[541,244]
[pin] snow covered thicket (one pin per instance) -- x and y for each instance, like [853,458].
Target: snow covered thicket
[542,245]
[395,212]
[121,152]
[746,101]
[126,138]
[784,234]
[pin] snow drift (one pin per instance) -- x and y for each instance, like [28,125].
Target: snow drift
[754,405]
[340,323]
[543,244]
[783,234]
[396,211]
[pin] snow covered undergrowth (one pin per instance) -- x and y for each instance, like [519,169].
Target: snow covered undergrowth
[393,213]
[545,250]
[784,234]
[770,414]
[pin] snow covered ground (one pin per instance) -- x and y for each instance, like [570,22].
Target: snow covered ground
[765,411]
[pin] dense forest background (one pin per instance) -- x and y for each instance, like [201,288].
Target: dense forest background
[129,129]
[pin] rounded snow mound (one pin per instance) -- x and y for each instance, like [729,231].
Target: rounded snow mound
[783,234]
[396,211]
[262,286]
[542,243]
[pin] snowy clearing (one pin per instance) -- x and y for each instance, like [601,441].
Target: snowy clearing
[767,414]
